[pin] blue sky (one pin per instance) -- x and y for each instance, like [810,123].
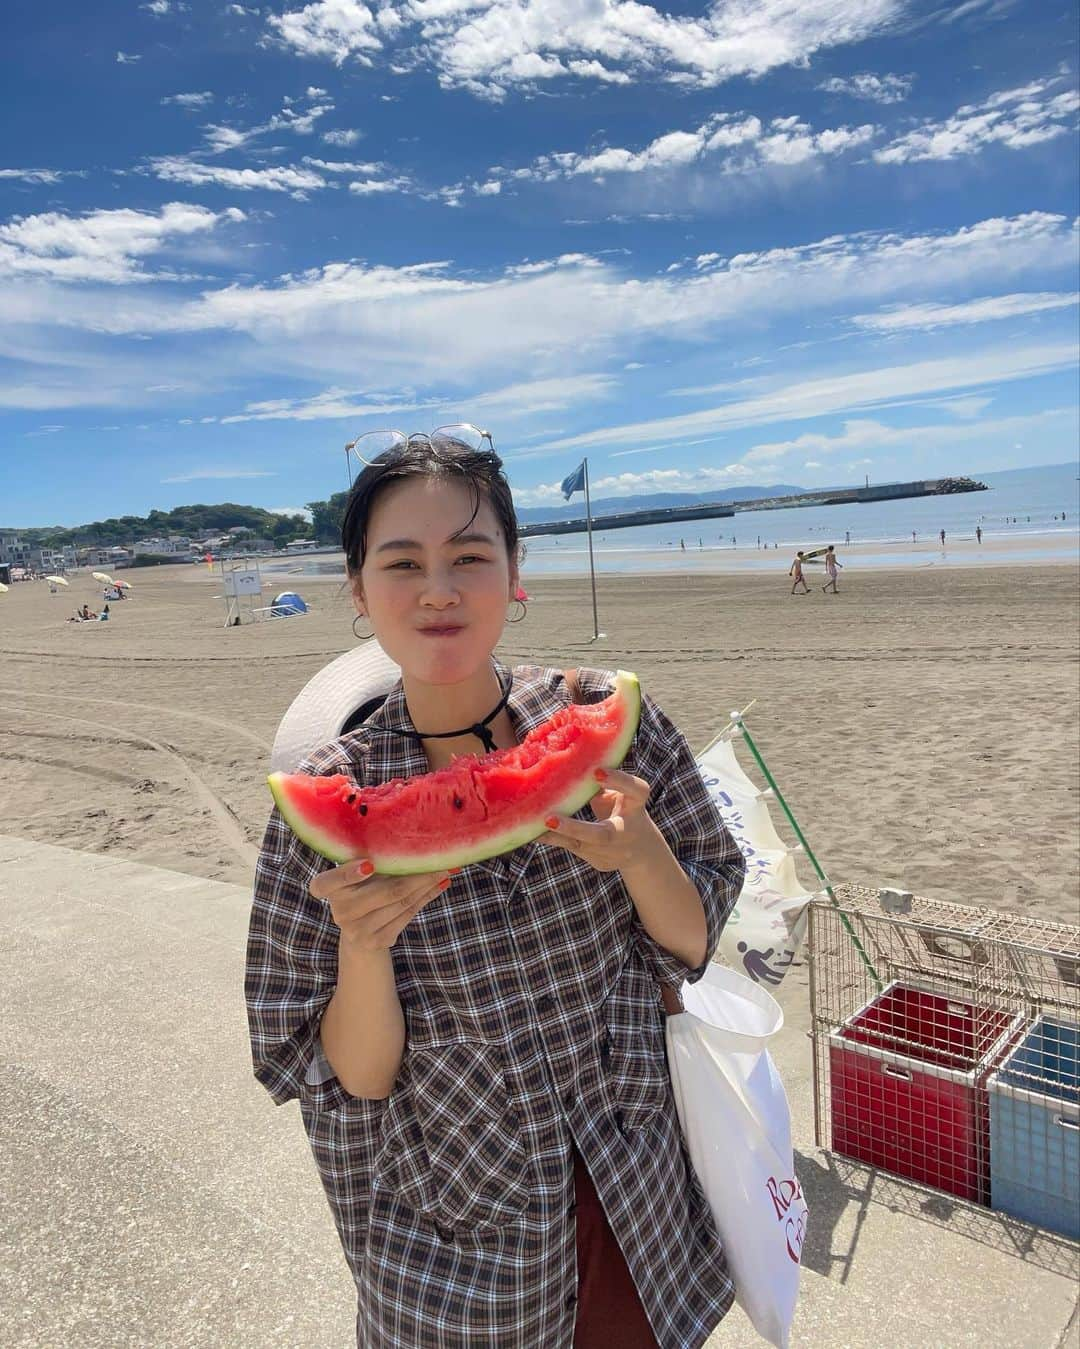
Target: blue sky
[789,241]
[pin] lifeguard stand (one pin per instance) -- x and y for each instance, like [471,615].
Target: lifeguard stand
[241,584]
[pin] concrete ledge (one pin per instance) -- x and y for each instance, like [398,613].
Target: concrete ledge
[153,1196]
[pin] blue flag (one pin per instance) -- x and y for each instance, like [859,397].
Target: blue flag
[575,482]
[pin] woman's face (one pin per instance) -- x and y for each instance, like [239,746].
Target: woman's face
[437,604]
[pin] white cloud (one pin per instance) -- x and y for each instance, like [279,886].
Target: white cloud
[542,395]
[299,122]
[336,29]
[966,407]
[330,405]
[340,137]
[33,175]
[508,402]
[342,165]
[549,264]
[741,142]
[160,8]
[205,474]
[869,435]
[634,484]
[370,187]
[905,318]
[281,178]
[834,394]
[876,88]
[102,246]
[1015,118]
[195,100]
[490,46]
[537,321]
[290,510]
[127,58]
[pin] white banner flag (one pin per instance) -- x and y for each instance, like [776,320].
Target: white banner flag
[768,924]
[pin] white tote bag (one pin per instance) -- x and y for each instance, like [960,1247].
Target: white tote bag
[735,1120]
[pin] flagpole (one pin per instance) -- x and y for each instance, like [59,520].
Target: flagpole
[740,729]
[592,567]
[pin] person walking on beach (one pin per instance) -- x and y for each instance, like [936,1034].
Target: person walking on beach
[796,570]
[831,564]
[488,1102]
[941,536]
[978,533]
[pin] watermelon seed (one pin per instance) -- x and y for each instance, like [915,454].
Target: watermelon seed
[459,804]
[351,798]
[362,808]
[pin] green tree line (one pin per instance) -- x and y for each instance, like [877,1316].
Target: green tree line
[197,522]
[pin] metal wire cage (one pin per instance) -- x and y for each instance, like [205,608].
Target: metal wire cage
[947,1049]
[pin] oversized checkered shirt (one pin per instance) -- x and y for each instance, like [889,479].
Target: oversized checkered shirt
[533,1021]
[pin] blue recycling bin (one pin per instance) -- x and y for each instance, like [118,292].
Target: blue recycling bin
[1035,1129]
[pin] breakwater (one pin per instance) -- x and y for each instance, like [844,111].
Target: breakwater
[664,515]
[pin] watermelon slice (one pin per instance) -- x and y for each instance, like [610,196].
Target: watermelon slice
[479,807]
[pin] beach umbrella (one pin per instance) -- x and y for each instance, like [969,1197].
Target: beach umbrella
[123,585]
[103,576]
[3,587]
[57,580]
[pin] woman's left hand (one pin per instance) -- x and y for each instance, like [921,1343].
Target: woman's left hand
[623,833]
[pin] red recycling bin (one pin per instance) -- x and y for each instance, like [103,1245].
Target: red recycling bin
[907,1083]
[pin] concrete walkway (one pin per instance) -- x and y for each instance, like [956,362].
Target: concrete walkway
[154,1197]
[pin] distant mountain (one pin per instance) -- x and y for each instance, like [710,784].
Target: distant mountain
[651,501]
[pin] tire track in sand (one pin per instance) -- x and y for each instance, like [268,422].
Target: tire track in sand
[222,814]
[157,709]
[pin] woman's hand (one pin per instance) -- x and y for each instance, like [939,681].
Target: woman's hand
[372,911]
[623,835]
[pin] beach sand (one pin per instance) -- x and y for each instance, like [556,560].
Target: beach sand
[922,724]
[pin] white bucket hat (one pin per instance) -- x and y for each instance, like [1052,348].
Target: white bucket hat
[320,710]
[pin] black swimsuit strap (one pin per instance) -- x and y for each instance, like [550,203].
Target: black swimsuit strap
[479,728]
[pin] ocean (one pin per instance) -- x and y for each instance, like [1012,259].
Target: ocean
[1019,502]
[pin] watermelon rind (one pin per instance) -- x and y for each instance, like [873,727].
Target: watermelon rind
[627,692]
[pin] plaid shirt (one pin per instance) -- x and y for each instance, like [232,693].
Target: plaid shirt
[533,1020]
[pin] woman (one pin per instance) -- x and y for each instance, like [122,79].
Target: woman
[479,1056]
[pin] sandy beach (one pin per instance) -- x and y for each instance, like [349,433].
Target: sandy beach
[923,724]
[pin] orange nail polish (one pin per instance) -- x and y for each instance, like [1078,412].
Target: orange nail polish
[444,883]
[552,822]
[366,867]
[601,775]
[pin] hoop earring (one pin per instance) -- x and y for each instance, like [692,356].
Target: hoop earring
[524,611]
[361,636]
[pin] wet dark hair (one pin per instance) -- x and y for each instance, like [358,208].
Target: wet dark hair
[481,471]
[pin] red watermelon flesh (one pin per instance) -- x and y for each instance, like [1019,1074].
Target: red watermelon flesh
[477,808]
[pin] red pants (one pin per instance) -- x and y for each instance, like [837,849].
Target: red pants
[609,1311]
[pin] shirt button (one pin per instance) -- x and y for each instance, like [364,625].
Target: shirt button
[572,1209]
[571,1301]
[444,1233]
[545,1003]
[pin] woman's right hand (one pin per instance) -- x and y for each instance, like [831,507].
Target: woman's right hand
[372,911]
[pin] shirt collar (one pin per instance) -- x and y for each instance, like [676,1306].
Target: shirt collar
[532,701]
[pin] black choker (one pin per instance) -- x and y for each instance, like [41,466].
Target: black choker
[479,728]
